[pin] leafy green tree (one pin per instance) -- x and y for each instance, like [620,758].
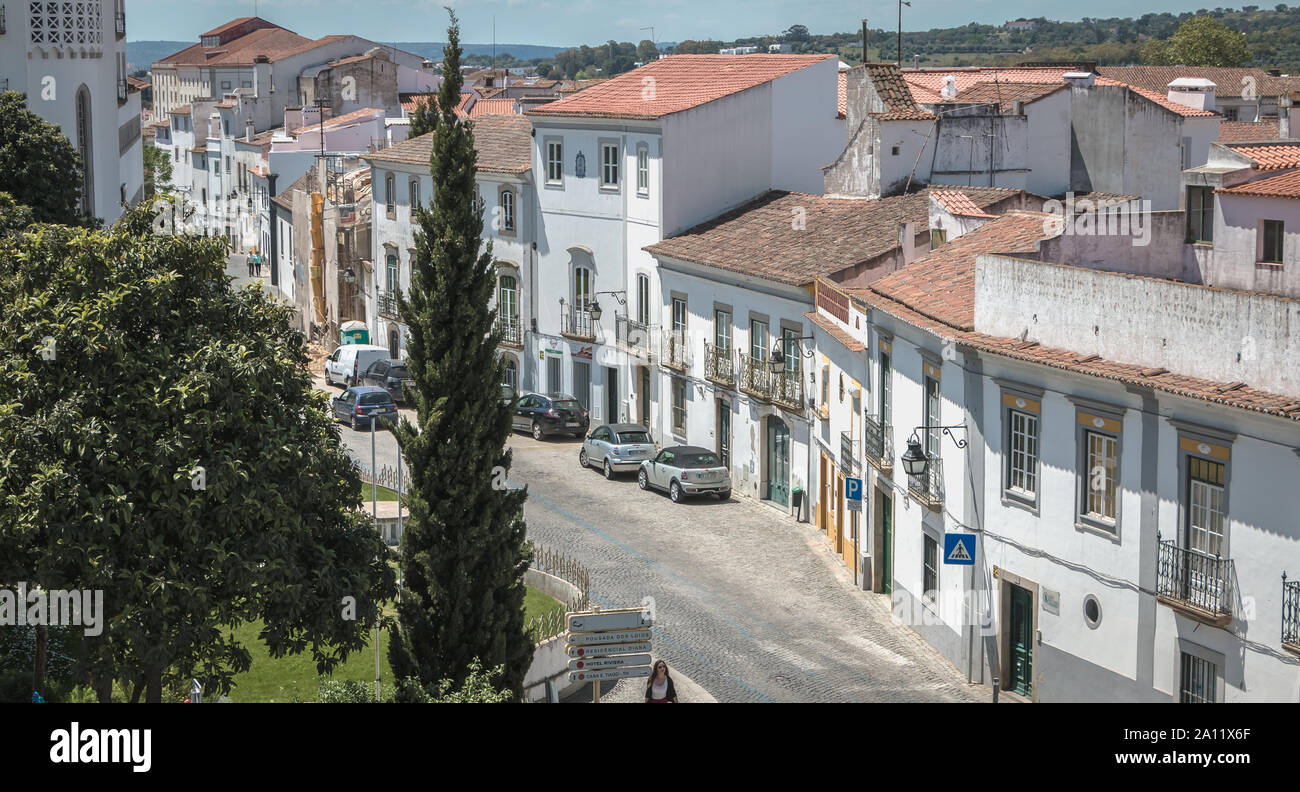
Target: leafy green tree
[1201,41]
[463,555]
[157,170]
[425,117]
[161,441]
[13,215]
[38,164]
[646,51]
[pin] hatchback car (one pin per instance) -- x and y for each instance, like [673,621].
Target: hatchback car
[617,448]
[684,471]
[360,405]
[388,374]
[554,413]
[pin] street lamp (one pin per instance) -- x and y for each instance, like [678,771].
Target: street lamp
[915,460]
[776,359]
[595,311]
[349,276]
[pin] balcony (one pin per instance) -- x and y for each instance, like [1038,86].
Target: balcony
[388,305]
[1291,615]
[119,23]
[576,323]
[878,444]
[121,89]
[1194,583]
[3,28]
[634,337]
[848,460]
[927,489]
[676,350]
[509,329]
[719,365]
[755,378]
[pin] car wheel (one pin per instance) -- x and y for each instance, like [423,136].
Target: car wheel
[537,431]
[724,495]
[675,492]
[641,480]
[353,423]
[582,458]
[609,471]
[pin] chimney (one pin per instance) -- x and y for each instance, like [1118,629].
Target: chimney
[907,241]
[1288,117]
[248,130]
[1194,92]
[1079,79]
[949,90]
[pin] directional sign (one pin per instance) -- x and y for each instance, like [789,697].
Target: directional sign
[853,493]
[959,549]
[609,673]
[618,636]
[618,661]
[625,619]
[603,650]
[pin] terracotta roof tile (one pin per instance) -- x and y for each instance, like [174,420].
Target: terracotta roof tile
[761,239]
[835,331]
[1164,101]
[1286,185]
[504,144]
[485,107]
[1229,82]
[893,90]
[1006,94]
[1270,156]
[273,42]
[958,203]
[681,82]
[1237,131]
[343,120]
[844,94]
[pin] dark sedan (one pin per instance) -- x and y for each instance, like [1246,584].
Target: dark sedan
[387,374]
[363,404]
[554,413]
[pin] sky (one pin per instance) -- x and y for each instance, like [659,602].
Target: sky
[572,22]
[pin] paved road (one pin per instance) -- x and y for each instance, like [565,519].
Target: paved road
[358,440]
[751,605]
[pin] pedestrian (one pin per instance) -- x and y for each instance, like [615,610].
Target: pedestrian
[257,262]
[659,687]
[250,265]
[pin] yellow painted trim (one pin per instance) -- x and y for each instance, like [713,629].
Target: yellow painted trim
[1021,403]
[932,371]
[885,346]
[1211,450]
[1097,422]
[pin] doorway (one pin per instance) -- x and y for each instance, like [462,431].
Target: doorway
[839,514]
[778,461]
[1020,640]
[643,397]
[823,502]
[883,563]
[724,433]
[611,395]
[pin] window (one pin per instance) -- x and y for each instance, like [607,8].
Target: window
[508,300]
[1271,241]
[554,371]
[390,195]
[886,386]
[758,341]
[227,164]
[1200,214]
[415,195]
[554,162]
[930,569]
[225,85]
[582,383]
[643,169]
[392,273]
[1100,495]
[722,330]
[826,387]
[581,288]
[679,405]
[507,210]
[792,351]
[1230,114]
[679,317]
[932,417]
[1198,680]
[1205,513]
[609,165]
[1022,461]
[643,299]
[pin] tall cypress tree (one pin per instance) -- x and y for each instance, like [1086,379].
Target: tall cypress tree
[463,555]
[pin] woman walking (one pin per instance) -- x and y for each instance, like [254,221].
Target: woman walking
[659,688]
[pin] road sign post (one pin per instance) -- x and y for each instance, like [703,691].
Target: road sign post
[853,494]
[608,644]
[959,549]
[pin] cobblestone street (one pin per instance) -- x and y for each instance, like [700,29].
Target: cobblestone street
[750,605]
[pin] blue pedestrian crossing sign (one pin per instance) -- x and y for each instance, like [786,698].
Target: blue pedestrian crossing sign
[853,493]
[959,549]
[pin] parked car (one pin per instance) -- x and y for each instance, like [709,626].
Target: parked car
[362,404]
[508,395]
[685,471]
[617,448]
[388,374]
[345,366]
[553,413]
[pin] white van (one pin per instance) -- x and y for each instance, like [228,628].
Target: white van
[348,361]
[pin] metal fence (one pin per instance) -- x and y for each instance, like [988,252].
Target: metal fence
[1291,612]
[387,478]
[553,563]
[928,487]
[878,442]
[1195,578]
[719,364]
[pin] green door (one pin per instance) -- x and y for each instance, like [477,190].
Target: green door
[885,508]
[1022,647]
[778,462]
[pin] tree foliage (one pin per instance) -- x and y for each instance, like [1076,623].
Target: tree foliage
[1202,41]
[463,554]
[425,117]
[157,170]
[38,165]
[161,441]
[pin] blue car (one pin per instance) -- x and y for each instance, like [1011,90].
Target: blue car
[360,405]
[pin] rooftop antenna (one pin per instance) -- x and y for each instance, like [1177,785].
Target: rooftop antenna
[901,3]
[651,28]
[494,43]
[864,39]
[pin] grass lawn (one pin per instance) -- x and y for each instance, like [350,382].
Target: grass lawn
[385,494]
[295,676]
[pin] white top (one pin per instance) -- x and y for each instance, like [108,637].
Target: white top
[658,691]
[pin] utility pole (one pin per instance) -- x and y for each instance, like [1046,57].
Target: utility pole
[864,39]
[901,3]
[651,28]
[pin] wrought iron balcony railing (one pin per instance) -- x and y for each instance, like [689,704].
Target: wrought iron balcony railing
[719,364]
[388,304]
[634,337]
[755,377]
[848,460]
[787,389]
[120,23]
[1195,579]
[676,349]
[121,89]
[878,443]
[509,329]
[1291,614]
[928,488]
[577,323]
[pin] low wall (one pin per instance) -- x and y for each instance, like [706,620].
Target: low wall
[549,659]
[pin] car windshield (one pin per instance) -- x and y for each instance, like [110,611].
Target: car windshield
[634,437]
[376,398]
[699,460]
[566,404]
[397,371]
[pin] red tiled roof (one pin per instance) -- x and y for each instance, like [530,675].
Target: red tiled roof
[681,82]
[1270,156]
[835,331]
[894,92]
[411,101]
[1229,82]
[273,42]
[1237,131]
[941,285]
[234,23]
[504,144]
[1285,185]
[760,238]
[1006,94]
[492,107]
[844,94]
[1164,101]
[363,114]
[182,110]
[958,203]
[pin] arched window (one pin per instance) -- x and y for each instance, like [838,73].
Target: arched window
[582,300]
[512,374]
[507,210]
[390,195]
[86,147]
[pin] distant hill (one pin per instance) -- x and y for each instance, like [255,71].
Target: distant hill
[140,54]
